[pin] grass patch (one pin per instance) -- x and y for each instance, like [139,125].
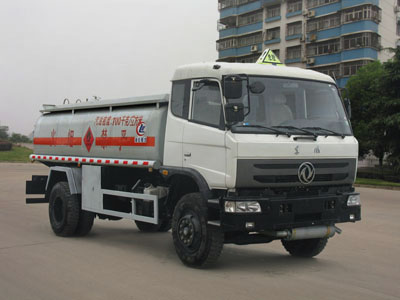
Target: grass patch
[17,154]
[377,182]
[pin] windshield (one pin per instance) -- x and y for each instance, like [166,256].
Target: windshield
[293,104]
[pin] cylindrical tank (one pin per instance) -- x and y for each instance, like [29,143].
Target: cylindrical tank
[130,129]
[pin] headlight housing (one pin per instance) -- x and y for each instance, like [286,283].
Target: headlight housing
[242,207]
[354,200]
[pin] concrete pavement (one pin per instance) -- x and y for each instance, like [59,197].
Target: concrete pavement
[116,261]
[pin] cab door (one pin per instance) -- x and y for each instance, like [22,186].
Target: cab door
[203,140]
[178,115]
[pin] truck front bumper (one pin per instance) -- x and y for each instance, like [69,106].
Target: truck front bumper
[287,213]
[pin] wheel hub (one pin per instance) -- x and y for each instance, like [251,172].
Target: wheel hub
[187,230]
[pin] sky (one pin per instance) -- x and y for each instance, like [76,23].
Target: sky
[76,49]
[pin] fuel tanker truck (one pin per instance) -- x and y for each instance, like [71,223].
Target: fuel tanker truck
[238,153]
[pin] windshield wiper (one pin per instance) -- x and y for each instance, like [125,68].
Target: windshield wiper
[297,128]
[326,130]
[277,131]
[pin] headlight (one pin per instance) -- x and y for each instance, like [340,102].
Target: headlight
[253,206]
[354,200]
[242,207]
[230,207]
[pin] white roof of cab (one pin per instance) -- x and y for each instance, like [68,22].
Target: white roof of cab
[207,70]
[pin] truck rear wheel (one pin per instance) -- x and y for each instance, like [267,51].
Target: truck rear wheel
[85,223]
[164,226]
[63,210]
[305,248]
[196,243]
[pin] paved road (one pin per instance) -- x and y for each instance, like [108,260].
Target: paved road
[116,261]
[27,145]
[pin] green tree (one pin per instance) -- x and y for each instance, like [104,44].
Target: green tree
[3,133]
[367,115]
[375,95]
[19,138]
[391,90]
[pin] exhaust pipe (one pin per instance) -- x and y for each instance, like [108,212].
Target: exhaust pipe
[304,233]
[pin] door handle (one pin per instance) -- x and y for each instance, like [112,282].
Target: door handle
[188,154]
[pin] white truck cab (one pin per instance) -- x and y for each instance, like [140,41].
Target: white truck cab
[198,137]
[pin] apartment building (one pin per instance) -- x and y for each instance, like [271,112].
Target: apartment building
[335,37]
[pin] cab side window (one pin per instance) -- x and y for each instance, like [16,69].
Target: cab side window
[180,98]
[206,105]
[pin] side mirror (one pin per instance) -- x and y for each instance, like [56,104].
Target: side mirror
[233,87]
[234,112]
[347,105]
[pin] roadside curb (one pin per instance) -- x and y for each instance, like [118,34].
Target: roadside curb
[383,187]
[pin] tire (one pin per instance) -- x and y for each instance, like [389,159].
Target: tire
[63,210]
[85,223]
[164,226]
[305,248]
[196,243]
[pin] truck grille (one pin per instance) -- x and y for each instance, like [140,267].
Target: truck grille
[279,173]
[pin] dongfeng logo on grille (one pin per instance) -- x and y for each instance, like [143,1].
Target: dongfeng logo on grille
[306,173]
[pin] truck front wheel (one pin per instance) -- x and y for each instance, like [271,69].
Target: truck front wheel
[196,243]
[305,248]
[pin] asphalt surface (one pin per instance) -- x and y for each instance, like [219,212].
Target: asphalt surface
[116,261]
[27,145]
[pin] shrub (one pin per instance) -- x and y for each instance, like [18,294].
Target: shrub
[384,173]
[5,145]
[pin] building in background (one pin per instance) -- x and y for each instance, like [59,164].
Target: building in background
[335,37]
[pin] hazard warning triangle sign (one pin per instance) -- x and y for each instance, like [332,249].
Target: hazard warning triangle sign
[268,57]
